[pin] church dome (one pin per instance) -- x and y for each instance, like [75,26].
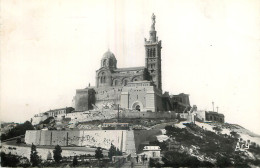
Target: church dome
[108,60]
[108,54]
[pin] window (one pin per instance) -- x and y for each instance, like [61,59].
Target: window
[116,83]
[154,52]
[104,62]
[125,82]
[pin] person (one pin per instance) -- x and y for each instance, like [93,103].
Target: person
[132,164]
[137,159]
[143,158]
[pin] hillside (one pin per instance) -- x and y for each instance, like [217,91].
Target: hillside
[211,144]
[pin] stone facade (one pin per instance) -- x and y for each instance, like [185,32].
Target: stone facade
[138,88]
[141,96]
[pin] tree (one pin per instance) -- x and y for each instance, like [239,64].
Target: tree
[57,154]
[9,160]
[20,129]
[217,129]
[75,161]
[34,158]
[118,152]
[112,151]
[18,140]
[234,134]
[223,162]
[99,153]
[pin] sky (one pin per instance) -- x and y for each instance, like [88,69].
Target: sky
[210,50]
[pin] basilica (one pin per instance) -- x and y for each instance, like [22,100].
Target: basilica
[134,88]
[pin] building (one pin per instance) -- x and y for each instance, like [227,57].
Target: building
[210,116]
[134,88]
[180,103]
[37,118]
[153,152]
[59,112]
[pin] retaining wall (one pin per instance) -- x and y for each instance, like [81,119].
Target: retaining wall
[122,139]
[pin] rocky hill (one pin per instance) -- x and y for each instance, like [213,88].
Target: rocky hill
[208,145]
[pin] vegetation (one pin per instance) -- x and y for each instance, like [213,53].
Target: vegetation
[217,129]
[18,140]
[47,121]
[75,161]
[113,151]
[57,154]
[208,144]
[17,131]
[9,160]
[34,158]
[99,153]
[176,159]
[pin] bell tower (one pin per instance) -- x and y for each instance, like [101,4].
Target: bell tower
[153,56]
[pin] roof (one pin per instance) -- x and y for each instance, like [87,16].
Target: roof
[108,54]
[214,113]
[60,109]
[129,69]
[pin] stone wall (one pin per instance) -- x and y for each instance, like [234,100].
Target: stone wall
[92,138]
[133,114]
[25,151]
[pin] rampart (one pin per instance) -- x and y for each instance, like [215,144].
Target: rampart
[137,114]
[122,139]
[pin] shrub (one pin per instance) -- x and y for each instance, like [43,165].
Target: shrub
[57,154]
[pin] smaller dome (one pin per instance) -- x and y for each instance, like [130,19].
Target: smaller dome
[109,60]
[108,54]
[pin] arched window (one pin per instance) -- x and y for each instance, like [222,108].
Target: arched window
[104,62]
[154,52]
[137,108]
[116,83]
[151,53]
[125,82]
[110,62]
[148,52]
[103,77]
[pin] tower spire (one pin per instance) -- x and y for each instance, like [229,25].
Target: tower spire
[153,37]
[153,22]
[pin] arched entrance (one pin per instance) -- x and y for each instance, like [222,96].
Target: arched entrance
[138,106]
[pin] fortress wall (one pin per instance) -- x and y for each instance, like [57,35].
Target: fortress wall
[148,114]
[43,152]
[74,138]
[59,138]
[45,137]
[130,143]
[32,136]
[92,115]
[93,138]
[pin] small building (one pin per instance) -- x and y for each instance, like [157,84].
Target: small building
[61,111]
[210,116]
[152,152]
